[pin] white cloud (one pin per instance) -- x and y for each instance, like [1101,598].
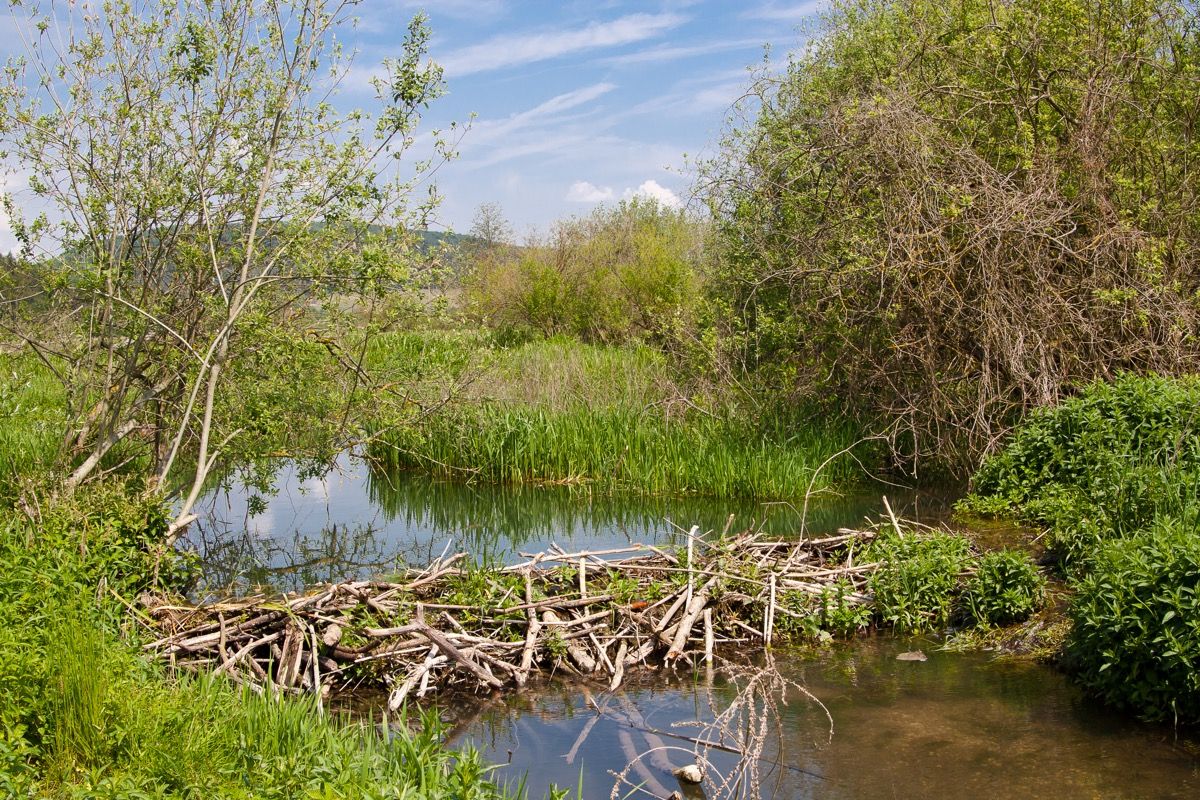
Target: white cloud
[653,190]
[650,189]
[675,53]
[472,10]
[585,192]
[777,13]
[510,50]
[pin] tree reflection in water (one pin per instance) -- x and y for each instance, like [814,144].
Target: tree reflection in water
[357,522]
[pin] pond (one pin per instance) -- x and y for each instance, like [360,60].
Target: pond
[955,725]
[357,522]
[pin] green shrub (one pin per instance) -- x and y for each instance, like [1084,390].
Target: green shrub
[622,273]
[1005,588]
[1100,465]
[1136,636]
[917,585]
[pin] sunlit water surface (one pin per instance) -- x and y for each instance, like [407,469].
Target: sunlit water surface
[952,726]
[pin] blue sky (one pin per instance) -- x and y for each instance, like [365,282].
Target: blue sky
[577,102]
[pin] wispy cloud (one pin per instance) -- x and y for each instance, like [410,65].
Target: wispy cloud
[527,48]
[790,12]
[486,131]
[675,53]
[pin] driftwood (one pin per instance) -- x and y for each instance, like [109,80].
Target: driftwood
[596,614]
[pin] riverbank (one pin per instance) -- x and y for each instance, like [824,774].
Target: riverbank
[86,715]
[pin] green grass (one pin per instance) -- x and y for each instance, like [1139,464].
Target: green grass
[84,715]
[558,411]
[621,449]
[32,419]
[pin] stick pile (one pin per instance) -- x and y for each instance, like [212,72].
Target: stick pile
[595,614]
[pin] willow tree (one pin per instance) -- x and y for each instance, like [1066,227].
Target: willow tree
[945,215]
[205,216]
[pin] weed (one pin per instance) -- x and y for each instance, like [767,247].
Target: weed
[917,585]
[1135,641]
[1005,588]
[1099,466]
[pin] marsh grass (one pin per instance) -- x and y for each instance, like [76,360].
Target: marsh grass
[559,411]
[622,449]
[32,419]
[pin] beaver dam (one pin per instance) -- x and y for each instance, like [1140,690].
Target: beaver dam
[596,613]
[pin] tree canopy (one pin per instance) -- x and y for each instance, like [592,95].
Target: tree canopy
[950,213]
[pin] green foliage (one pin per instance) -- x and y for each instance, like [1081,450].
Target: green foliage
[84,715]
[623,449]
[1005,588]
[840,616]
[1136,635]
[32,417]
[923,169]
[918,584]
[624,272]
[1103,464]
[1114,475]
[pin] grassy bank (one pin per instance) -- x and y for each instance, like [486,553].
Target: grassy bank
[32,419]
[612,418]
[1113,476]
[84,715]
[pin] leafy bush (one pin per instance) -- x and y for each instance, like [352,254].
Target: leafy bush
[1114,475]
[896,199]
[622,273]
[1005,588]
[917,585]
[1136,636]
[1100,465]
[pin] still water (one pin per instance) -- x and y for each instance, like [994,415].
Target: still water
[357,522]
[954,725]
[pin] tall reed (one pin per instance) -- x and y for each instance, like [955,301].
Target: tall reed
[627,449]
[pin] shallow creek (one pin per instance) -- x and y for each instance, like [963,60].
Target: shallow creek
[955,725]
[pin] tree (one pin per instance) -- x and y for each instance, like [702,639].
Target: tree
[945,215]
[207,213]
[489,225]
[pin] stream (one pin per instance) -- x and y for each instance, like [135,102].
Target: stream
[954,725]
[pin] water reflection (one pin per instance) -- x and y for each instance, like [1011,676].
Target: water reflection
[358,521]
[953,726]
